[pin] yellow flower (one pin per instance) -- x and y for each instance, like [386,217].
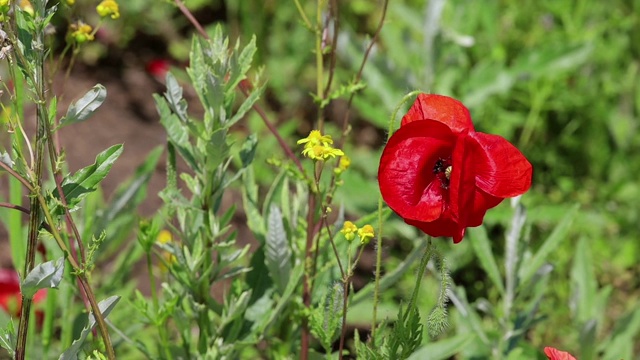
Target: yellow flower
[316,138]
[4,7]
[349,230]
[71,2]
[26,6]
[366,234]
[168,259]
[344,164]
[320,152]
[164,236]
[108,8]
[81,32]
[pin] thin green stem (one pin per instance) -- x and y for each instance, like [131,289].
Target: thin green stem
[307,23]
[319,65]
[22,180]
[376,288]
[421,269]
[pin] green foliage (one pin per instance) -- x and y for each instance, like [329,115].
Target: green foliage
[84,181]
[105,306]
[326,319]
[43,276]
[82,109]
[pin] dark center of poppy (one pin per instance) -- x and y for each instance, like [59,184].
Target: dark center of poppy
[442,170]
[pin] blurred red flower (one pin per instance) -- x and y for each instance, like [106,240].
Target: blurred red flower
[442,176]
[555,354]
[10,296]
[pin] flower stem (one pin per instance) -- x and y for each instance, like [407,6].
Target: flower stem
[376,289]
[428,252]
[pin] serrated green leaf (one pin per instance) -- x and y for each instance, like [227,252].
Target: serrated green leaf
[551,243]
[84,181]
[105,306]
[43,276]
[82,109]
[174,98]
[277,250]
[482,248]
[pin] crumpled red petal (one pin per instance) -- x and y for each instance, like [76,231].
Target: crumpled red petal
[555,354]
[407,182]
[462,183]
[501,169]
[444,109]
[440,227]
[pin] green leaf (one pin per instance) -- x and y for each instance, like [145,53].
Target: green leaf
[8,337]
[584,284]
[84,181]
[528,270]
[277,250]
[82,109]
[174,98]
[131,193]
[105,307]
[43,276]
[248,150]
[246,105]
[443,349]
[482,248]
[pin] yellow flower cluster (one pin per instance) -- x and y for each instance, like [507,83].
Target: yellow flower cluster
[108,8]
[81,32]
[318,146]
[365,233]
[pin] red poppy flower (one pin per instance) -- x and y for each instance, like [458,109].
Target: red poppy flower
[442,176]
[10,296]
[555,354]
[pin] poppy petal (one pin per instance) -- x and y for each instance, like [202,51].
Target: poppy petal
[481,203]
[406,178]
[441,227]
[463,180]
[444,109]
[555,354]
[501,169]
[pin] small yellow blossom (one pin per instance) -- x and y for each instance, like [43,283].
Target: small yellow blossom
[26,6]
[168,259]
[4,7]
[344,164]
[320,152]
[349,230]
[71,2]
[108,8]
[366,234]
[164,236]
[81,32]
[316,138]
